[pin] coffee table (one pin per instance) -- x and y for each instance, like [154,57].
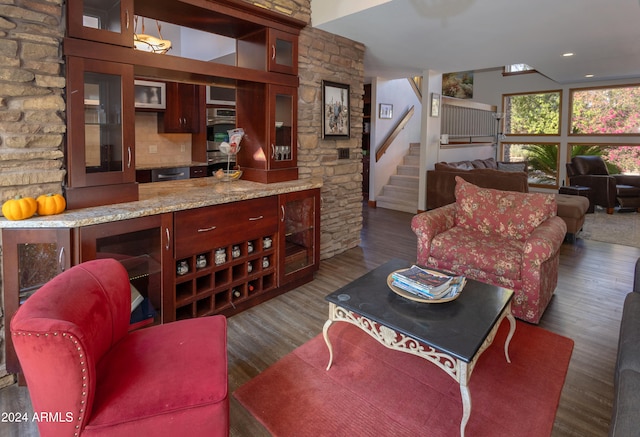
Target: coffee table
[450,335]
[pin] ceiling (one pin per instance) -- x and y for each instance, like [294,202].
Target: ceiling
[406,37]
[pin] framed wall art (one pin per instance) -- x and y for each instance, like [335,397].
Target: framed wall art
[458,85]
[435,105]
[336,110]
[386,110]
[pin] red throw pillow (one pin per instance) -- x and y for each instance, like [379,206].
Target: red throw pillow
[506,213]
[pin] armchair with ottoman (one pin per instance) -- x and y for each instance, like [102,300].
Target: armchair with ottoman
[78,358]
[504,238]
[607,191]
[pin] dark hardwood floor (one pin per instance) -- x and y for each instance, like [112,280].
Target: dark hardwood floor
[594,279]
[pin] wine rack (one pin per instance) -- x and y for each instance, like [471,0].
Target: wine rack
[207,283]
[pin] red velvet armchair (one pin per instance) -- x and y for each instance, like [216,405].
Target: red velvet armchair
[89,376]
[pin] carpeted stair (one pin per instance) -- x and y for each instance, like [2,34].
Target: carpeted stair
[401,192]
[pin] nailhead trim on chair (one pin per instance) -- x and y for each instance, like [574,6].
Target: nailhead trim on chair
[82,364]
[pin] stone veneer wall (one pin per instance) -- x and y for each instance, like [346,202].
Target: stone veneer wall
[32,123]
[324,56]
[32,107]
[32,115]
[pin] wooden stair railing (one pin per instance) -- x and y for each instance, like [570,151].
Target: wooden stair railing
[416,86]
[392,136]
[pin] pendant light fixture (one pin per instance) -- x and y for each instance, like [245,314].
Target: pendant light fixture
[149,43]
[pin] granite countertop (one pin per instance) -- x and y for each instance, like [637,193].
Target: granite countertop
[161,197]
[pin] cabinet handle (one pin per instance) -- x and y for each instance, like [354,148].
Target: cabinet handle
[282,209]
[166,246]
[253,219]
[273,151]
[129,157]
[273,51]
[126,19]
[61,259]
[211,228]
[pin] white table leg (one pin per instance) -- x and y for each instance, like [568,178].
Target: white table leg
[325,334]
[466,407]
[512,330]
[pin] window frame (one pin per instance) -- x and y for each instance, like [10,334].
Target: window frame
[506,108]
[557,144]
[505,71]
[571,92]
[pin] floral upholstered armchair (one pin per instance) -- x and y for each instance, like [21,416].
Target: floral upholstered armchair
[503,238]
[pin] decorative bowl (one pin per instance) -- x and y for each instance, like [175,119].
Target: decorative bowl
[232,175]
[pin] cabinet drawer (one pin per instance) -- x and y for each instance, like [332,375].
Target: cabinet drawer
[202,229]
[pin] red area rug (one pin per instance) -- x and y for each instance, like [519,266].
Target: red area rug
[374,391]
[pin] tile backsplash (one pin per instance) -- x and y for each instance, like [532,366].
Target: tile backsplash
[154,149]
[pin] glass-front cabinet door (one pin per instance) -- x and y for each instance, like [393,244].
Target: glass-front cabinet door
[100,124]
[283,110]
[109,21]
[31,258]
[283,56]
[299,234]
[144,246]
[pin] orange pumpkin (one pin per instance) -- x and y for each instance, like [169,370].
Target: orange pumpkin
[50,204]
[19,208]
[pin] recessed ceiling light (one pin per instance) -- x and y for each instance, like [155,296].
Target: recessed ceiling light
[567,54]
[588,75]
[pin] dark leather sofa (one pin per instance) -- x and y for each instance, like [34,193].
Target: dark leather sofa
[485,173]
[506,176]
[607,191]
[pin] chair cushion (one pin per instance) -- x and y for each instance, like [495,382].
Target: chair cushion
[506,214]
[163,376]
[512,166]
[485,163]
[467,165]
[460,165]
[589,165]
[458,248]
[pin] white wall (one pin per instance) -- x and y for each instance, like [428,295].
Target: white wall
[328,10]
[397,92]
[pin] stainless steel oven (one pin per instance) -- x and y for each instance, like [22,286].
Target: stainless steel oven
[219,122]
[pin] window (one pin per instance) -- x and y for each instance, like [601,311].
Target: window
[518,69]
[605,111]
[542,159]
[532,113]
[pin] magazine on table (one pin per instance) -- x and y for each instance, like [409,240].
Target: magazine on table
[425,283]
